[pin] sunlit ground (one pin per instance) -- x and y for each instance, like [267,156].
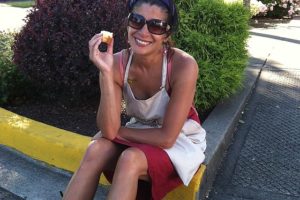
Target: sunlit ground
[11,18]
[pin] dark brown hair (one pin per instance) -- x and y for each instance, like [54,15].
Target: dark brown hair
[168,6]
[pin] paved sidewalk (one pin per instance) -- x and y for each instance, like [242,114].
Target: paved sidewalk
[12,18]
[263,162]
[6,195]
[25,178]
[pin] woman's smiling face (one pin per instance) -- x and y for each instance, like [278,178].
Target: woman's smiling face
[142,41]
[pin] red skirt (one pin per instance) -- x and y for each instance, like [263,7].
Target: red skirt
[163,176]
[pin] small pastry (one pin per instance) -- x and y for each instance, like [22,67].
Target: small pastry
[106,37]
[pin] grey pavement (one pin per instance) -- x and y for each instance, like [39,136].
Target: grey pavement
[25,178]
[6,195]
[263,160]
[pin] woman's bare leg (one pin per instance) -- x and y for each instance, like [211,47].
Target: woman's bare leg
[101,154]
[131,166]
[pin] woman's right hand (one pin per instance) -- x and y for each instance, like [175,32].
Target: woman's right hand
[102,60]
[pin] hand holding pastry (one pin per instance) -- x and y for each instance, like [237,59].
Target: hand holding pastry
[102,60]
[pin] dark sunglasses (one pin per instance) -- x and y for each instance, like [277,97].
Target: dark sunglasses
[155,26]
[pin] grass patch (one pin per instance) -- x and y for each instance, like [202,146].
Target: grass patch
[21,4]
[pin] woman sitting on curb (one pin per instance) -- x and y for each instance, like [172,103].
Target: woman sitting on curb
[163,144]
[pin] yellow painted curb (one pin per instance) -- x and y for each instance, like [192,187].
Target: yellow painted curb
[190,192]
[64,149]
[57,147]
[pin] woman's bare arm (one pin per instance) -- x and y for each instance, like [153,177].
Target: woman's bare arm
[108,116]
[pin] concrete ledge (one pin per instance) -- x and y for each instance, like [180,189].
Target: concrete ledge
[190,192]
[42,142]
[64,149]
[57,147]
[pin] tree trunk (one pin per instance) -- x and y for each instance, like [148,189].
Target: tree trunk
[247,3]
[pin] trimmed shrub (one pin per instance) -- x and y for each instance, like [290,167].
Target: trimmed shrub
[52,49]
[215,33]
[13,85]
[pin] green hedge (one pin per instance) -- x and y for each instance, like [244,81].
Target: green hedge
[52,48]
[215,33]
[13,85]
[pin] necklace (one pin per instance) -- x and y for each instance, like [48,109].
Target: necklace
[131,81]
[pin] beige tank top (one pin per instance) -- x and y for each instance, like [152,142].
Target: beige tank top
[150,111]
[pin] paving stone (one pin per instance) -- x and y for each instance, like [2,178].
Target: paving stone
[6,195]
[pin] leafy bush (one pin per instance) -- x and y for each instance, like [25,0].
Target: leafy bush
[280,8]
[12,84]
[215,33]
[257,8]
[52,49]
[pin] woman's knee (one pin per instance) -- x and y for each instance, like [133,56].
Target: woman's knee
[133,160]
[98,150]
